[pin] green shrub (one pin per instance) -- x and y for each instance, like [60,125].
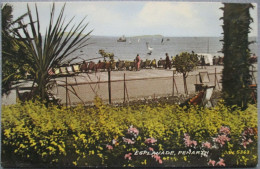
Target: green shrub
[96,136]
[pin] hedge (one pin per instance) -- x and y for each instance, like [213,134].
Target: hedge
[144,135]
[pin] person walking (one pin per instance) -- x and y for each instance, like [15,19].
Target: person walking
[214,60]
[173,60]
[137,61]
[168,62]
[203,63]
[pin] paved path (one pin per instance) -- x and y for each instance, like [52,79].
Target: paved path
[145,83]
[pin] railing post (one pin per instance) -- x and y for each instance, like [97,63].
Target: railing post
[66,91]
[173,83]
[124,87]
[109,86]
[215,76]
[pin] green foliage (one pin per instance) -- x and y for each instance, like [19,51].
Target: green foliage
[106,55]
[95,136]
[185,63]
[14,55]
[52,49]
[236,75]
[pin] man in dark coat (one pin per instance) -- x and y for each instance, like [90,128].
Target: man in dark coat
[168,62]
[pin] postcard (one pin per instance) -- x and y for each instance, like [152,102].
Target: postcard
[129,84]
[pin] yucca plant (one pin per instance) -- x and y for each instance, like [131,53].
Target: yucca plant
[236,75]
[54,47]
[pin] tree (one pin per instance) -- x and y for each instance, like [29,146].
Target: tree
[52,49]
[13,52]
[236,75]
[106,55]
[185,63]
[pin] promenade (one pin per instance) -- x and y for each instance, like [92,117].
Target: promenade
[143,84]
[126,85]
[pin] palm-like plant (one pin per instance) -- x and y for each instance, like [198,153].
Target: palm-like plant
[13,52]
[53,49]
[7,18]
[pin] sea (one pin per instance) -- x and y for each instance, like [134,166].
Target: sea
[160,45]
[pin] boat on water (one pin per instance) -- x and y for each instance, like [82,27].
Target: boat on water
[149,48]
[121,39]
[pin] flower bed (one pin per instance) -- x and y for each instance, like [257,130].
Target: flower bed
[162,135]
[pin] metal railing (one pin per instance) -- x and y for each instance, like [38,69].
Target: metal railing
[127,89]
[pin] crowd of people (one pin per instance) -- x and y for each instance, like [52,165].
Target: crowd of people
[138,63]
[135,65]
[166,63]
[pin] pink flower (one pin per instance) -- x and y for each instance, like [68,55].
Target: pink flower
[248,131]
[211,162]
[221,162]
[186,136]
[109,147]
[188,142]
[221,139]
[245,137]
[128,156]
[206,144]
[128,141]
[133,131]
[246,142]
[250,140]
[151,149]
[160,161]
[157,158]
[150,141]
[224,130]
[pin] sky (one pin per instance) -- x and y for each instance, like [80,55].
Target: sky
[135,18]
